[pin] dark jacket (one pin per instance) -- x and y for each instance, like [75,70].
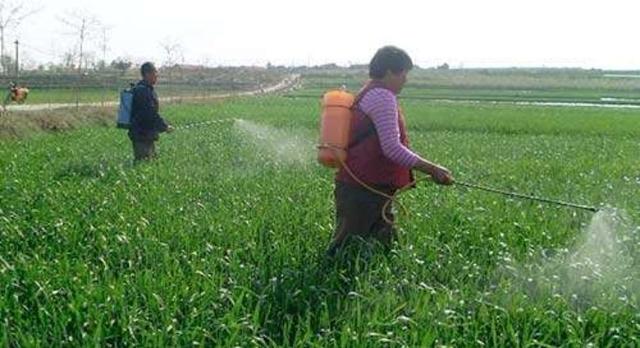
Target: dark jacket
[146,122]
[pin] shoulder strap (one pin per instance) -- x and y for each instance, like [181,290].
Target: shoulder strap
[367,132]
[370,129]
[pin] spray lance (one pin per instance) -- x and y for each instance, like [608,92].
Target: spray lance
[473,186]
[522,196]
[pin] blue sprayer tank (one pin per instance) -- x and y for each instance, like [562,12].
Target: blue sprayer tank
[124,110]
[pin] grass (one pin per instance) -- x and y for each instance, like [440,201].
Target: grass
[26,124]
[220,241]
[71,95]
[99,95]
[509,85]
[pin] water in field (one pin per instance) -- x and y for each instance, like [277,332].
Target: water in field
[619,100]
[578,104]
[632,76]
[605,103]
[277,145]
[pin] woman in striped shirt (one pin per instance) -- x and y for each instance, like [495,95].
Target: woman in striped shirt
[378,154]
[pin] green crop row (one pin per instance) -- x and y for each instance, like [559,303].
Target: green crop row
[220,241]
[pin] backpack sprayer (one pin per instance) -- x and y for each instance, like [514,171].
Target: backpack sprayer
[123,118]
[335,128]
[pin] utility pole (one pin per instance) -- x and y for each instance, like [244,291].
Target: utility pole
[17,58]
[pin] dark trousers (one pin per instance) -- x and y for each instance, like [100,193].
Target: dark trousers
[143,149]
[359,213]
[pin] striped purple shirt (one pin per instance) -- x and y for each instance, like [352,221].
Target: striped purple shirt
[381,106]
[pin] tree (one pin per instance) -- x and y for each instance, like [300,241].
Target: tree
[84,26]
[12,13]
[68,60]
[6,61]
[121,64]
[89,60]
[101,65]
[173,52]
[104,45]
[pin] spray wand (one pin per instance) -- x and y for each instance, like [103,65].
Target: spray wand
[522,196]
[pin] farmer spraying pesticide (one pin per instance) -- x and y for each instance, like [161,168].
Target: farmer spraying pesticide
[366,138]
[15,94]
[146,123]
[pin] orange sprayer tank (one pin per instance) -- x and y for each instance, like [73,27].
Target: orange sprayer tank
[335,125]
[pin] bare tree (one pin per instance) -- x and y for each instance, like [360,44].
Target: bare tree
[68,60]
[12,13]
[104,43]
[173,52]
[89,61]
[204,61]
[84,27]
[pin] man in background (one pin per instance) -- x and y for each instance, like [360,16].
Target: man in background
[146,122]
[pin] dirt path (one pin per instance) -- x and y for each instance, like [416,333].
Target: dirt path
[286,83]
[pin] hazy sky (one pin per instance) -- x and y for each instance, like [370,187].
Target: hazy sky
[480,33]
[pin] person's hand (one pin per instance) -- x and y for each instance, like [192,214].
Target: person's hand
[441,175]
[170,129]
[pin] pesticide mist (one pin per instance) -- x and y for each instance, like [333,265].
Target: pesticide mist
[601,256]
[597,271]
[279,146]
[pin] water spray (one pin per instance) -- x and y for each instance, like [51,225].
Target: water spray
[204,123]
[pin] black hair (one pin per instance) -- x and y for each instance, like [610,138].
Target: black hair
[146,68]
[389,58]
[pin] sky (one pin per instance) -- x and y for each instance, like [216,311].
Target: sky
[463,33]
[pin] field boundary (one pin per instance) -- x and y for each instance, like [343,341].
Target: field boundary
[288,83]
